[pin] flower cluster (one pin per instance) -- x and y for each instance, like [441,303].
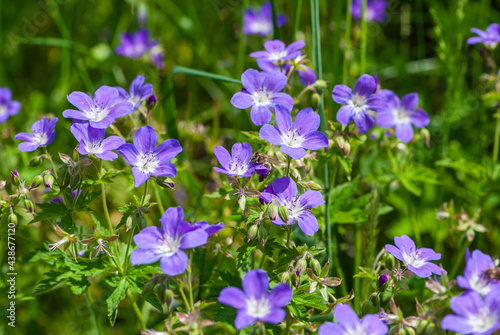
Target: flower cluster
[139,44]
[43,135]
[375,10]
[8,107]
[260,21]
[490,38]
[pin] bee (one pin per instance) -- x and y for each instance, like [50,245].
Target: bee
[492,273]
[265,161]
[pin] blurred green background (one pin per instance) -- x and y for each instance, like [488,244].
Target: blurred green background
[51,48]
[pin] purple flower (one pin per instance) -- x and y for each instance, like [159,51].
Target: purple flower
[356,105]
[92,141]
[262,93]
[401,114]
[347,323]
[101,111]
[490,38]
[474,277]
[148,159]
[307,76]
[375,10]
[295,137]
[135,45]
[283,192]
[138,92]
[210,229]
[276,54]
[60,198]
[7,106]
[260,21]
[156,56]
[239,163]
[474,315]
[43,134]
[415,259]
[254,303]
[382,280]
[167,244]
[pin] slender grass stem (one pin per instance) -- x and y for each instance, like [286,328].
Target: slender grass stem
[497,140]
[189,280]
[459,261]
[185,70]
[357,264]
[414,223]
[363,38]
[298,12]
[276,32]
[136,310]
[347,42]
[289,161]
[184,299]
[158,199]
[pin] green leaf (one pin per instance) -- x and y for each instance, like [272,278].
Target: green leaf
[154,301]
[50,211]
[116,296]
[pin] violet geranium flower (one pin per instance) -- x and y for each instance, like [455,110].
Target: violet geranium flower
[8,107]
[276,54]
[43,135]
[295,137]
[475,274]
[260,21]
[347,323]
[254,303]
[101,111]
[92,141]
[474,315]
[401,114]
[135,45]
[417,259]
[375,10]
[138,92]
[168,243]
[148,159]
[357,104]
[239,163]
[490,38]
[262,92]
[283,192]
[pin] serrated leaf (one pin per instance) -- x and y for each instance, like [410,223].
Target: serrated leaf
[50,211]
[115,297]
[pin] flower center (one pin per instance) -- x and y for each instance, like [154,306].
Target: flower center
[258,308]
[292,139]
[277,55]
[293,207]
[358,102]
[97,113]
[480,284]
[262,97]
[356,331]
[483,321]
[147,162]
[93,147]
[169,246]
[40,138]
[238,167]
[3,110]
[402,115]
[261,26]
[414,259]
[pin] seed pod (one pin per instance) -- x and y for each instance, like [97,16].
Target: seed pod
[48,180]
[283,213]
[324,271]
[35,161]
[128,223]
[142,222]
[273,211]
[295,280]
[301,266]
[285,277]
[252,232]
[320,84]
[13,218]
[262,234]
[37,181]
[28,204]
[316,266]
[169,298]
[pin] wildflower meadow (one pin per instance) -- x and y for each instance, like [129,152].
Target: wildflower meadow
[250,167]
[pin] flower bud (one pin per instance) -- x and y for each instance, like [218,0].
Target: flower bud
[169,298]
[283,213]
[427,137]
[35,161]
[48,180]
[16,181]
[316,99]
[142,222]
[151,102]
[295,280]
[252,232]
[13,218]
[37,181]
[165,182]
[28,204]
[320,84]
[315,186]
[301,266]
[316,266]
[2,184]
[285,277]
[382,280]
[273,211]
[128,223]
[262,234]
[343,145]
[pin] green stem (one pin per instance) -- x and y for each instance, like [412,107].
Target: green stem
[105,208]
[184,299]
[136,310]
[274,11]
[496,143]
[117,131]
[240,60]
[357,264]
[363,38]
[288,322]
[93,311]
[56,175]
[459,261]
[288,166]
[347,42]
[129,242]
[288,235]
[190,285]
[298,12]
[185,70]
[158,199]
[414,223]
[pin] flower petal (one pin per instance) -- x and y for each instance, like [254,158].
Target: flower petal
[139,176]
[315,140]
[295,153]
[373,325]
[168,150]
[275,316]
[342,94]
[274,81]
[306,121]
[404,132]
[285,188]
[149,237]
[251,80]
[80,100]
[394,251]
[145,139]
[223,157]
[345,316]
[233,297]
[329,328]
[243,320]
[280,295]
[420,118]
[129,152]
[260,115]
[242,100]
[365,85]
[410,101]
[311,199]
[307,223]
[175,264]
[256,284]
[345,115]
[143,256]
[270,134]
[193,239]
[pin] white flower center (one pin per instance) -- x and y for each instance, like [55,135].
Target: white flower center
[97,113]
[168,246]
[356,331]
[401,115]
[262,97]
[94,147]
[3,110]
[147,162]
[358,102]
[483,321]
[278,55]
[293,207]
[292,139]
[238,167]
[40,138]
[258,308]
[480,284]
[414,259]
[261,27]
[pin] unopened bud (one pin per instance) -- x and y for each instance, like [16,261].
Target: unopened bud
[316,99]
[48,180]
[37,181]
[315,186]
[273,211]
[295,280]
[252,232]
[35,161]
[66,159]
[262,234]
[320,84]
[285,277]
[13,218]
[142,222]
[16,181]
[301,266]
[427,137]
[28,204]
[169,298]
[382,280]
[165,182]
[325,270]
[149,286]
[316,266]
[128,223]
[151,102]
[76,155]
[343,145]
[283,214]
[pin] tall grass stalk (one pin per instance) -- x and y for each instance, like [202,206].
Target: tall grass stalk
[362,66]
[347,42]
